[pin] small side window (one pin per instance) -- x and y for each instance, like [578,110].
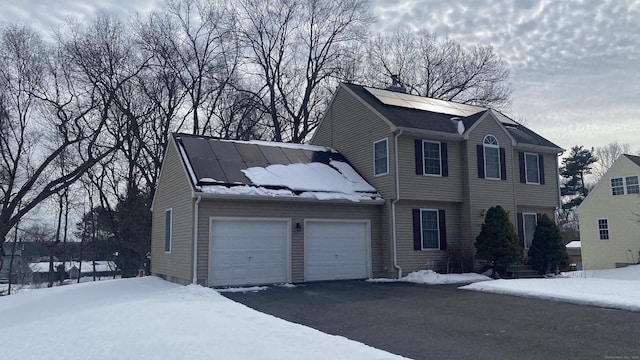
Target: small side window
[381,157]
[168,227]
[603,229]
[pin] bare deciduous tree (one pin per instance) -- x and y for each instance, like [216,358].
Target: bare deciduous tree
[45,115]
[294,50]
[439,68]
[606,155]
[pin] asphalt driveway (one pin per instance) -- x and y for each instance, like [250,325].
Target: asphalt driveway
[443,322]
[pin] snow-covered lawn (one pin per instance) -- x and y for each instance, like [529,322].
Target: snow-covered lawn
[615,288]
[148,318]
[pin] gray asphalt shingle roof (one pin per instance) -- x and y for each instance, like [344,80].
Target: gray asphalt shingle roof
[405,117]
[634,158]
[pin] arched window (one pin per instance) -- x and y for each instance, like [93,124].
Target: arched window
[491,157]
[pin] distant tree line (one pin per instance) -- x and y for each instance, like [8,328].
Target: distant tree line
[85,117]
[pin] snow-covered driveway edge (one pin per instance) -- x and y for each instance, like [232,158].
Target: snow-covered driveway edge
[605,293]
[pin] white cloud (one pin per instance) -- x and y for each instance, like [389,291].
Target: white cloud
[565,55]
[574,64]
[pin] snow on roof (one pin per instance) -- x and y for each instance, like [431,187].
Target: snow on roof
[576,244]
[309,177]
[271,169]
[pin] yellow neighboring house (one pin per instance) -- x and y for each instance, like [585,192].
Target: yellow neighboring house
[610,217]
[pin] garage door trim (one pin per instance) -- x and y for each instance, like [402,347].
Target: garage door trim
[367,224]
[212,219]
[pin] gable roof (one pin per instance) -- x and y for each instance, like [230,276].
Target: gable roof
[421,113]
[270,169]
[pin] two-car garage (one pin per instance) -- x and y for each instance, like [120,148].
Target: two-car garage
[246,251]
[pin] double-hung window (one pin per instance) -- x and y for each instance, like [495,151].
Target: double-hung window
[431,156]
[491,157]
[631,184]
[603,229]
[625,185]
[532,168]
[381,157]
[429,229]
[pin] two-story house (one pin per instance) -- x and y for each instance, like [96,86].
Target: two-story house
[610,217]
[439,166]
[392,183]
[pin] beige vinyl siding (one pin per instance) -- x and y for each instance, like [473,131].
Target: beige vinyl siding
[541,195]
[485,193]
[353,133]
[297,212]
[413,260]
[426,187]
[173,192]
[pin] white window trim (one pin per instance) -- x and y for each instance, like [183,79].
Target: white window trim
[170,211]
[608,229]
[386,141]
[424,168]
[625,190]
[626,186]
[524,233]
[422,233]
[494,146]
[526,177]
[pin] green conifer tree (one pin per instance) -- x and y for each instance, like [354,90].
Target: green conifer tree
[547,250]
[497,242]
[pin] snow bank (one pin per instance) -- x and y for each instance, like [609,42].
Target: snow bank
[615,288]
[148,318]
[431,277]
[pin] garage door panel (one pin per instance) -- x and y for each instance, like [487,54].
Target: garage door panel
[336,250]
[248,251]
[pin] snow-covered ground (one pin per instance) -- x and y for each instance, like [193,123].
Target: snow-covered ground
[615,288]
[148,318]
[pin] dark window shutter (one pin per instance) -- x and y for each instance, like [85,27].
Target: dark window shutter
[538,217]
[480,151]
[503,165]
[442,226]
[520,229]
[419,152]
[523,175]
[417,233]
[444,159]
[541,168]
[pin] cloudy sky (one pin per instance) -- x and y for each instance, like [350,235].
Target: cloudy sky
[575,65]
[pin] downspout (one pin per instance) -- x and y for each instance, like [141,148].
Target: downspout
[195,241]
[393,207]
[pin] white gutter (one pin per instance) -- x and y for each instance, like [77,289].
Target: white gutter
[393,208]
[195,241]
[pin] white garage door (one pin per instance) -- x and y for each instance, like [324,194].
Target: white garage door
[246,251]
[336,250]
